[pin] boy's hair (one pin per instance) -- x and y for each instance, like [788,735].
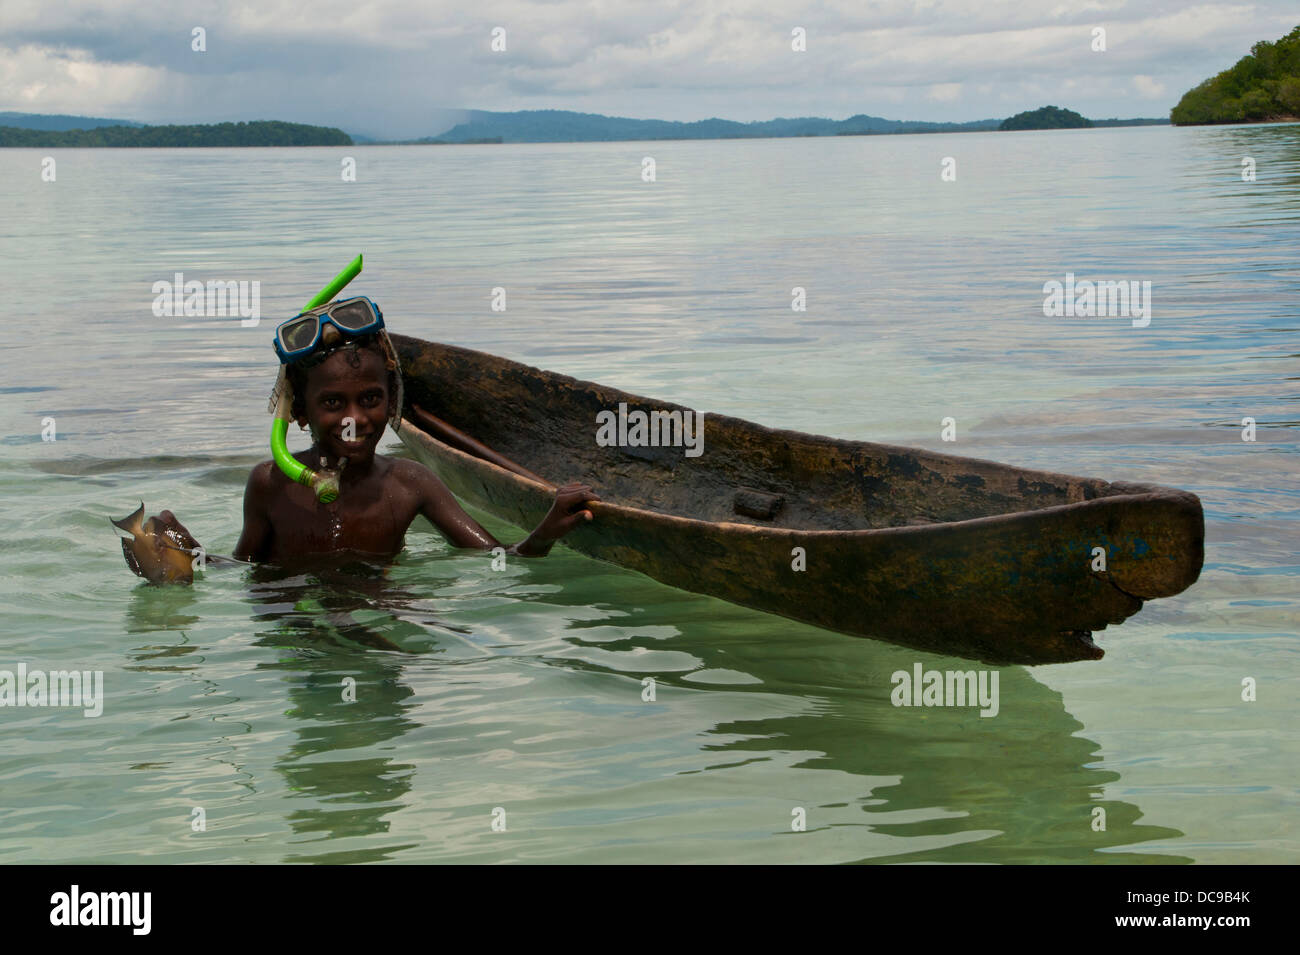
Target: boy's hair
[299,372]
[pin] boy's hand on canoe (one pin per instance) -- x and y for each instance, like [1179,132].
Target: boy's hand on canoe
[568,511]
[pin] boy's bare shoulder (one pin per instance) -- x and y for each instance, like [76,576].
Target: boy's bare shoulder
[418,480]
[262,478]
[412,474]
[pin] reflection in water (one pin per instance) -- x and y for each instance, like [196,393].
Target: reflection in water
[1024,787]
[346,691]
[1020,787]
[935,784]
[154,609]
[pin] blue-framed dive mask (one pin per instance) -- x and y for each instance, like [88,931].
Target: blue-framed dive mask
[301,335]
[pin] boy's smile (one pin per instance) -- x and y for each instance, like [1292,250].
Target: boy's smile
[347,395]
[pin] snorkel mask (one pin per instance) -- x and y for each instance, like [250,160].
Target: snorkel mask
[300,337]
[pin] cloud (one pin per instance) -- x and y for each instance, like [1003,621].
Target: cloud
[392,67]
[1149,87]
[36,76]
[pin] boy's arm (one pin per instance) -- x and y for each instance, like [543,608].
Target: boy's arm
[444,512]
[440,506]
[255,539]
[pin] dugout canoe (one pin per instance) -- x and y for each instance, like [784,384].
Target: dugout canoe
[933,551]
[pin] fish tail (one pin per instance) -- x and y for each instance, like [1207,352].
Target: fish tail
[130,523]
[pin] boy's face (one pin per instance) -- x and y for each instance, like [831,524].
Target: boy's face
[336,392]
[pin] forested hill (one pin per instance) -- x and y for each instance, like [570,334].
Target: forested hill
[1262,86]
[58,121]
[1048,117]
[564,126]
[259,133]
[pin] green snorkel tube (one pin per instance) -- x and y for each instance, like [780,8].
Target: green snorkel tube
[324,483]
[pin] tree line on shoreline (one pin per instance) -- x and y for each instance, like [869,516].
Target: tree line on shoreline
[257,133]
[1263,86]
[512,127]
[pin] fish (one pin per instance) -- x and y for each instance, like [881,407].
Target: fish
[155,551]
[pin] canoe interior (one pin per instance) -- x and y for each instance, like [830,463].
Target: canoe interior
[548,422]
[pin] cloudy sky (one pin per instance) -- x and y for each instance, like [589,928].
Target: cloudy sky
[400,68]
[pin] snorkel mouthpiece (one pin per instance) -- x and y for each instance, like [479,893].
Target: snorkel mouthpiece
[324,483]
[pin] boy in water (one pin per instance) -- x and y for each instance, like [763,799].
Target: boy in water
[346,390]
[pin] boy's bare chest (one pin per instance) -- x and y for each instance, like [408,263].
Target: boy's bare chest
[369,521]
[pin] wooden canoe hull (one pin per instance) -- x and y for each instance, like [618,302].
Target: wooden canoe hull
[1014,587]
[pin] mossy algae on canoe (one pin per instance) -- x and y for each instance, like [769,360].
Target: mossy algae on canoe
[942,553]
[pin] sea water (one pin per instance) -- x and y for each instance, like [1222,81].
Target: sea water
[568,710]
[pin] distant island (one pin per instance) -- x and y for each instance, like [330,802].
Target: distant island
[1047,117]
[563,126]
[482,127]
[1261,87]
[257,133]
[58,121]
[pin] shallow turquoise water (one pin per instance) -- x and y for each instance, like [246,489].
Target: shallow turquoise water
[522,690]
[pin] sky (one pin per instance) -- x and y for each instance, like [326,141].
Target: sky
[408,68]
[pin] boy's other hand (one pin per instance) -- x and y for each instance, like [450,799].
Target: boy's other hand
[566,513]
